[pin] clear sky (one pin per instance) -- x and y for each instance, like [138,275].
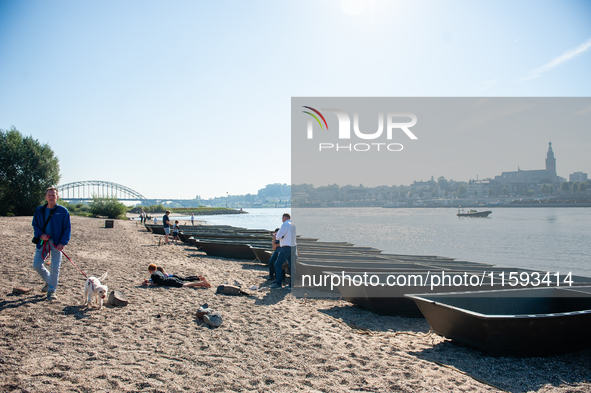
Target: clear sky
[182,98]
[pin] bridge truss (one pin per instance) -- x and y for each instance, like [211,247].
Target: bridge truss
[85,190]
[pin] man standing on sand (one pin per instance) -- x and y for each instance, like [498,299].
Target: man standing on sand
[192,219]
[275,248]
[287,246]
[51,223]
[166,223]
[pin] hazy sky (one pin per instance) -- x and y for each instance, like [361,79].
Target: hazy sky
[176,99]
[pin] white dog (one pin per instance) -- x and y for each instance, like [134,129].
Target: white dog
[94,291]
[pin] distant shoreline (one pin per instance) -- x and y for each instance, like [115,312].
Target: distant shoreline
[449,206]
[495,206]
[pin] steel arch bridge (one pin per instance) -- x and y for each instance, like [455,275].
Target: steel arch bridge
[85,190]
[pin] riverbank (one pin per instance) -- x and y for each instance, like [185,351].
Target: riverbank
[268,342]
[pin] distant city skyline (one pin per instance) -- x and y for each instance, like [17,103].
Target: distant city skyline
[459,138]
[192,98]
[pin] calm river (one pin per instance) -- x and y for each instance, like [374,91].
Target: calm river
[539,238]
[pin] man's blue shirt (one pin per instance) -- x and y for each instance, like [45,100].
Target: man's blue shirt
[58,226]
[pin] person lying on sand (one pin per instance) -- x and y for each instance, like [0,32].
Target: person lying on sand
[182,278]
[158,278]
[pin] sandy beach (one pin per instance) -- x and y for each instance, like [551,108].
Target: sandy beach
[269,341]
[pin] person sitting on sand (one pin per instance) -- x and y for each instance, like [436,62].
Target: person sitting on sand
[188,278]
[158,278]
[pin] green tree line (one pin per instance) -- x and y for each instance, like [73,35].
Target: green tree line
[27,169]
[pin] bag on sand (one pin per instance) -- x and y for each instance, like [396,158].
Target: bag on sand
[203,310]
[214,319]
[230,290]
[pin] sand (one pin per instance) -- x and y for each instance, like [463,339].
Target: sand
[269,341]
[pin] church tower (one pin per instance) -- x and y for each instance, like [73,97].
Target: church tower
[551,163]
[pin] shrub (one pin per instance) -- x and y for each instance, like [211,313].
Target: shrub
[107,206]
[155,208]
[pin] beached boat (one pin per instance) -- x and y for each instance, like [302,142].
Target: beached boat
[513,322]
[227,250]
[157,229]
[386,295]
[472,213]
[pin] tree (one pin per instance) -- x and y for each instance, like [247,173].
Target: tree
[107,206]
[583,186]
[565,186]
[442,182]
[275,190]
[462,190]
[27,168]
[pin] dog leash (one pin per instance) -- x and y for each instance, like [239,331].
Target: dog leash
[62,251]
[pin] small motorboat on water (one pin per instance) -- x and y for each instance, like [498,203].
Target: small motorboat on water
[472,213]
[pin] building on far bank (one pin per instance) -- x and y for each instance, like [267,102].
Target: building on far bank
[535,176]
[577,177]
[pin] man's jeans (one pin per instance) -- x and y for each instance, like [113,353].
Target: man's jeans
[284,255]
[56,259]
[272,262]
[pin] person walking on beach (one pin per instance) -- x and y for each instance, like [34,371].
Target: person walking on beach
[166,224]
[287,246]
[192,219]
[51,223]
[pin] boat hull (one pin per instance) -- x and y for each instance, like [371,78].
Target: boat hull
[475,214]
[524,323]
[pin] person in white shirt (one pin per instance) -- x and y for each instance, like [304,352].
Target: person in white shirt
[287,246]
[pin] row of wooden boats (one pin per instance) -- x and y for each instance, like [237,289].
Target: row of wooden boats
[479,311]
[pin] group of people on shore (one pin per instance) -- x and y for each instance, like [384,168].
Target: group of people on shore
[167,226]
[284,252]
[144,217]
[52,231]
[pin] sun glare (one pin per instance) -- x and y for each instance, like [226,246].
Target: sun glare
[353,7]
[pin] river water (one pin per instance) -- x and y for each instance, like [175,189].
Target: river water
[556,239]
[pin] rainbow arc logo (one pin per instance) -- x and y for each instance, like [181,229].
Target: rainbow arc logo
[314,116]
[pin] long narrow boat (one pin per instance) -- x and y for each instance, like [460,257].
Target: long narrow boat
[386,295]
[228,250]
[518,322]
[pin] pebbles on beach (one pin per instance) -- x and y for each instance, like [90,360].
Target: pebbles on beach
[269,341]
